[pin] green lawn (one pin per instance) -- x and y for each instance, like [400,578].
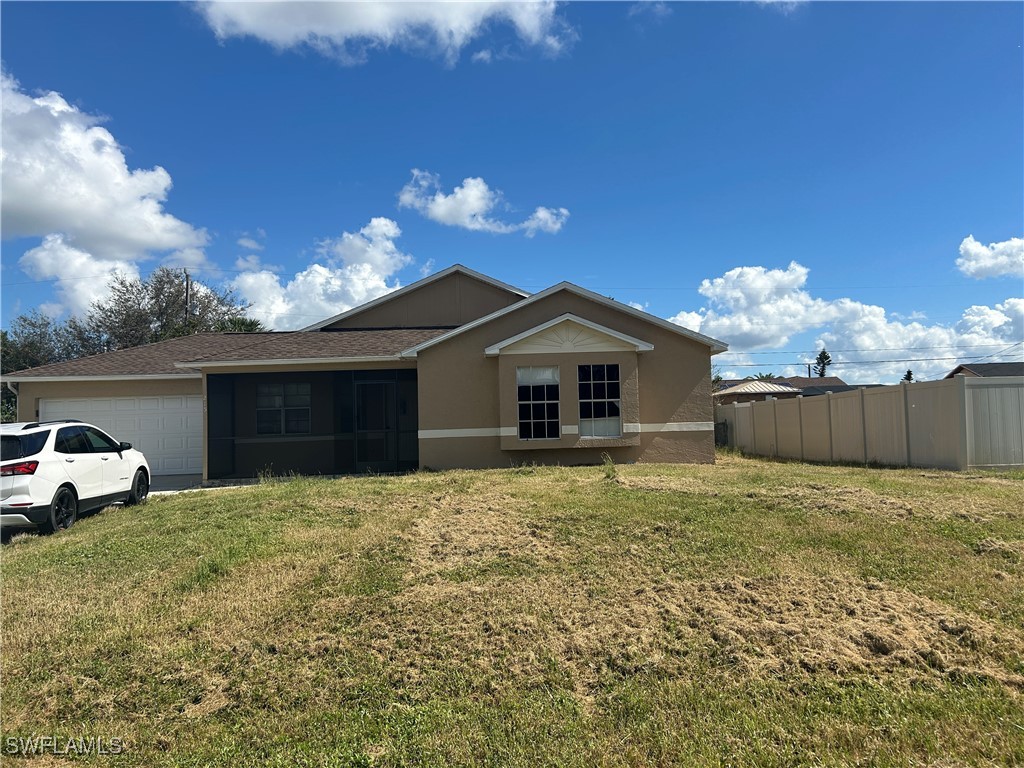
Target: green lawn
[747,613]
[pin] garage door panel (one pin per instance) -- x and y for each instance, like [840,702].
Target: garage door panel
[169,430]
[148,423]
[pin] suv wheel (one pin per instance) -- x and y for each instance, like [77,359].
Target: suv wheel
[140,489]
[63,511]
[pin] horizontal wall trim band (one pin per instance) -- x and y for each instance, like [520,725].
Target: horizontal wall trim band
[569,429]
[427,434]
[672,426]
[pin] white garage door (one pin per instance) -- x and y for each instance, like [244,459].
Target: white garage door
[169,430]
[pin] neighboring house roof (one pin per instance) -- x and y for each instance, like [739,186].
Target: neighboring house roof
[328,346]
[988,369]
[412,287]
[811,391]
[757,387]
[716,345]
[802,382]
[155,360]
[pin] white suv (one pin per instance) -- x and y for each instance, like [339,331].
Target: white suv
[53,470]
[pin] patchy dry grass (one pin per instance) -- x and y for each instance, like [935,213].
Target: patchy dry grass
[744,613]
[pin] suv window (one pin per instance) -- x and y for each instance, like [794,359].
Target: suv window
[71,440]
[99,441]
[20,446]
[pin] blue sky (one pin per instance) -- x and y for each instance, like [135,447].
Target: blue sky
[780,176]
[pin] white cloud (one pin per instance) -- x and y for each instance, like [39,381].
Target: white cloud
[754,307]
[373,245]
[83,278]
[249,244]
[654,8]
[471,206]
[757,308]
[64,173]
[356,270]
[992,260]
[784,7]
[66,179]
[549,220]
[482,57]
[348,31]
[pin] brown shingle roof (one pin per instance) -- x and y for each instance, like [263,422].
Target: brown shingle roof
[160,359]
[156,359]
[385,342]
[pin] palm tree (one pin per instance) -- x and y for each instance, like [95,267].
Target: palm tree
[241,325]
[761,377]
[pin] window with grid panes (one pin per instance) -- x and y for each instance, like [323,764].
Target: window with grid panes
[599,401]
[283,409]
[538,402]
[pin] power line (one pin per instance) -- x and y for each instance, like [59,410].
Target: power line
[873,349]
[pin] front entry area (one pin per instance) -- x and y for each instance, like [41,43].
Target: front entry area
[310,423]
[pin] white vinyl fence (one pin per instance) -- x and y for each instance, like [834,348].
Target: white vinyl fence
[956,423]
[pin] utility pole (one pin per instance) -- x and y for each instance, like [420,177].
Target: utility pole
[188,299]
[808,370]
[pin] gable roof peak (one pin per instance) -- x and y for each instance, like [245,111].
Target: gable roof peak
[715,345]
[453,269]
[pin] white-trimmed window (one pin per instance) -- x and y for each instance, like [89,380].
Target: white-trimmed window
[283,409]
[600,406]
[537,398]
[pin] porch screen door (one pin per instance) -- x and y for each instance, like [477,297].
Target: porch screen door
[376,426]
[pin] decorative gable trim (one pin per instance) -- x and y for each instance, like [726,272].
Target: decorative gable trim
[568,333]
[715,345]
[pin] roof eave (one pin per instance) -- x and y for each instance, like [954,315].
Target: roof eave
[107,377]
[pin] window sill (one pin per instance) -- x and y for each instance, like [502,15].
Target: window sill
[607,442]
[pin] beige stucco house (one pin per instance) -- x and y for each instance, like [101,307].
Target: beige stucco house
[456,370]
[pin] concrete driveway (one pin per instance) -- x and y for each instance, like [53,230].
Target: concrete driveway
[163,483]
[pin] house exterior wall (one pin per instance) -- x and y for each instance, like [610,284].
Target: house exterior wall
[462,411]
[451,301]
[31,392]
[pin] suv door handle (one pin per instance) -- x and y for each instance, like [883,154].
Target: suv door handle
[105,458]
[69,461]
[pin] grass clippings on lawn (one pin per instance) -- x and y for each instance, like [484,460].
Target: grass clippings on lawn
[749,612]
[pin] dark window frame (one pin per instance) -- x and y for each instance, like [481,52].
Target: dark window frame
[538,407]
[282,409]
[599,387]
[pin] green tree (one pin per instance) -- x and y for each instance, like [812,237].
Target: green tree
[240,325]
[761,377]
[908,376]
[165,305]
[822,362]
[134,312]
